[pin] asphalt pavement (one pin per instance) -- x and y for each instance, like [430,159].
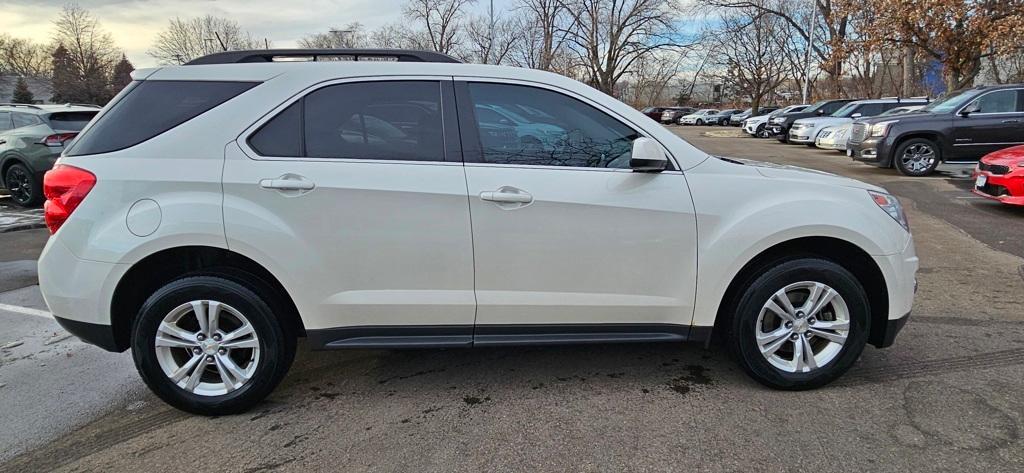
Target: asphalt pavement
[945,397]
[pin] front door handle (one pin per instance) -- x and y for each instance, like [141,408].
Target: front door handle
[507,195]
[288,182]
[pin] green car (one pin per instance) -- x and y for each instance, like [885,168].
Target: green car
[31,139]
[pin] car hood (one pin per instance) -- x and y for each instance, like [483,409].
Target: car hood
[796,173]
[691,115]
[758,119]
[1012,156]
[823,121]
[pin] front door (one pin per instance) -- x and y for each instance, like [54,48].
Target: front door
[353,198]
[998,123]
[569,242]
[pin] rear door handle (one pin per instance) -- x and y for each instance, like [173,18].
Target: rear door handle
[507,195]
[1011,121]
[288,182]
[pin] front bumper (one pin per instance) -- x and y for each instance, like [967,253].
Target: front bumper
[828,143]
[776,131]
[900,273]
[1006,188]
[802,136]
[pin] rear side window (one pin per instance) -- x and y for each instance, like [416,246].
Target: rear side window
[388,120]
[5,121]
[25,119]
[152,108]
[70,121]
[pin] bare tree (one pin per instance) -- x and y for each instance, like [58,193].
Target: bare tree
[352,35]
[187,39]
[442,21]
[746,52]
[491,43]
[542,24]
[608,37]
[89,57]
[22,57]
[648,84]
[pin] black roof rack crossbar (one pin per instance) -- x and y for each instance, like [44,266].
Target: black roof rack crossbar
[272,55]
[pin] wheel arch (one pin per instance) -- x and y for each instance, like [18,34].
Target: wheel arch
[166,265]
[932,135]
[848,255]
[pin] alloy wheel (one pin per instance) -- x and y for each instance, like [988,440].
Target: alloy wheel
[803,327]
[207,348]
[918,158]
[18,185]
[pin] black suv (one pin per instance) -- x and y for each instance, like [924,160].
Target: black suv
[778,127]
[961,127]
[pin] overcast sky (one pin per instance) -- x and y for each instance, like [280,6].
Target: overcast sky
[135,23]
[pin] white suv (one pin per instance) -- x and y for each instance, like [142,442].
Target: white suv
[215,212]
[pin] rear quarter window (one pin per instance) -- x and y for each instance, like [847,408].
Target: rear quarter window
[70,121]
[152,108]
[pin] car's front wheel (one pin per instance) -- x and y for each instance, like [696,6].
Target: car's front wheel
[762,132]
[917,157]
[800,324]
[22,185]
[700,122]
[210,346]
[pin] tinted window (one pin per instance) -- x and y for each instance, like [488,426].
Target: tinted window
[25,119]
[1000,101]
[282,135]
[375,120]
[554,130]
[833,107]
[152,108]
[5,121]
[70,121]
[870,109]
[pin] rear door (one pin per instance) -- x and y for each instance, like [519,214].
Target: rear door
[998,123]
[354,194]
[568,240]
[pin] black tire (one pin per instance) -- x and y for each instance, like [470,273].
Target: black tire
[759,290]
[908,168]
[21,183]
[276,345]
[761,132]
[700,122]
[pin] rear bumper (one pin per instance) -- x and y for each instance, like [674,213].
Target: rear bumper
[77,290]
[95,334]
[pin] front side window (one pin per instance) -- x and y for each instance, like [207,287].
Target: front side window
[539,127]
[150,108]
[388,120]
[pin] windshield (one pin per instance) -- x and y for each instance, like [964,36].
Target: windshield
[816,106]
[950,102]
[846,111]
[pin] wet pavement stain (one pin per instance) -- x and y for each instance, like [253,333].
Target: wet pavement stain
[697,376]
[473,400]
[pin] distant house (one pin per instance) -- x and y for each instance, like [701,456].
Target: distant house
[40,88]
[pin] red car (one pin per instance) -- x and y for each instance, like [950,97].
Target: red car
[1000,176]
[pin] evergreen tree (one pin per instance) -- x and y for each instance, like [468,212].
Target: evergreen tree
[21,92]
[64,83]
[122,74]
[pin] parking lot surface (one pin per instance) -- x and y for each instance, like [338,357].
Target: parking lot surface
[945,397]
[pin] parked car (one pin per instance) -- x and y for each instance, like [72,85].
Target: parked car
[778,127]
[247,205]
[654,113]
[31,139]
[757,125]
[700,117]
[722,117]
[672,114]
[805,130]
[835,137]
[737,119]
[1000,176]
[960,128]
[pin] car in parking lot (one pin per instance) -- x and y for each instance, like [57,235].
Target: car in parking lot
[654,113]
[835,137]
[722,117]
[737,119]
[778,126]
[31,139]
[757,125]
[959,128]
[805,130]
[700,117]
[672,114]
[367,204]
[1000,176]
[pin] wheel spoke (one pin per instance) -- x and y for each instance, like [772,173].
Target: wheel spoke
[197,374]
[806,353]
[772,341]
[200,311]
[184,370]
[834,337]
[230,373]
[831,325]
[213,317]
[174,336]
[825,296]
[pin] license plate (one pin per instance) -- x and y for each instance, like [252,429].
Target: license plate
[981,181]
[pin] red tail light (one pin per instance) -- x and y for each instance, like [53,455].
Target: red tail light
[64,187]
[58,139]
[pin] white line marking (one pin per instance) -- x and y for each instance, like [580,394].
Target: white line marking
[26,310]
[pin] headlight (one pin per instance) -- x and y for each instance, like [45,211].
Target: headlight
[881,128]
[891,205]
[778,120]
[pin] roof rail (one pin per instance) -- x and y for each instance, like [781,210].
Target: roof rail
[82,105]
[26,105]
[281,55]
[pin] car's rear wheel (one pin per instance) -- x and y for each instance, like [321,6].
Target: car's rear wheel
[23,187]
[801,324]
[210,346]
[917,157]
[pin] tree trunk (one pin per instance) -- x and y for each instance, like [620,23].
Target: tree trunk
[908,71]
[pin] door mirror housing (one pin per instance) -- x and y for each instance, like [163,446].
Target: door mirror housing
[820,111]
[856,115]
[647,156]
[974,107]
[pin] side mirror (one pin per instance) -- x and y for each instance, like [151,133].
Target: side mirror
[647,156]
[820,112]
[972,108]
[856,115]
